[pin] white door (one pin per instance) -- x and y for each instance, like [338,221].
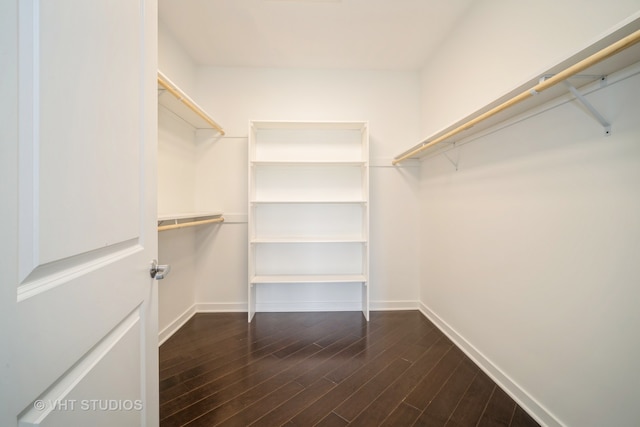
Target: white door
[77,218]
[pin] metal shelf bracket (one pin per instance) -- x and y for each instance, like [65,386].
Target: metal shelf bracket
[595,113]
[454,163]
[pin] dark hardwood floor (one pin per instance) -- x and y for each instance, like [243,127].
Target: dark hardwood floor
[325,369]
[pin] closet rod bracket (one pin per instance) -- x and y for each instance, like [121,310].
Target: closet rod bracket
[586,104]
[454,163]
[580,97]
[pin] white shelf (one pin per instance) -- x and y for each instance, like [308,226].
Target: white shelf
[308,142]
[308,239]
[184,220]
[309,210]
[308,163]
[188,215]
[315,278]
[459,130]
[299,202]
[174,99]
[282,125]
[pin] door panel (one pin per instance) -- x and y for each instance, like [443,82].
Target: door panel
[79,126]
[107,364]
[60,326]
[83,311]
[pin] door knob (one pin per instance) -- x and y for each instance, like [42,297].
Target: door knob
[159,272]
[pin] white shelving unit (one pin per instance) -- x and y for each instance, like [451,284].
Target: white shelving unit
[308,205]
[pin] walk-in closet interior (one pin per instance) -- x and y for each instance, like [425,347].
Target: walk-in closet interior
[487,177]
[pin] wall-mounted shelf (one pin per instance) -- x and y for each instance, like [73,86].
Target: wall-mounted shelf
[308,163]
[309,239]
[614,52]
[175,100]
[183,220]
[315,278]
[312,201]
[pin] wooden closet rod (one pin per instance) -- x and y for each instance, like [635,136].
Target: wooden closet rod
[601,55]
[165,83]
[189,224]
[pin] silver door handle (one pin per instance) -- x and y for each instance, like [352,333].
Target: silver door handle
[159,272]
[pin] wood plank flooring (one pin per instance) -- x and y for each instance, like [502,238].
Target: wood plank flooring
[324,369]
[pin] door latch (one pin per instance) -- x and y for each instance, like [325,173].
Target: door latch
[159,272]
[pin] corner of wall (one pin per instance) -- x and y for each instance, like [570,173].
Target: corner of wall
[502,379]
[173,327]
[173,59]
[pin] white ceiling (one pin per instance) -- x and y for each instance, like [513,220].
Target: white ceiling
[354,34]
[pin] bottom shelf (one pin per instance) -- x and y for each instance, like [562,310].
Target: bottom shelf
[308,292]
[315,278]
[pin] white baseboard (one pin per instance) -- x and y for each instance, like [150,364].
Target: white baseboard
[228,307]
[173,327]
[166,333]
[336,306]
[393,305]
[537,411]
[241,307]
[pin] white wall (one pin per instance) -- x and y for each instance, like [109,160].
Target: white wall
[501,44]
[176,194]
[176,163]
[530,249]
[390,101]
[176,191]
[174,61]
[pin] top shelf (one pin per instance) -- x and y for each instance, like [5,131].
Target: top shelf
[308,162]
[612,53]
[308,143]
[303,125]
[175,100]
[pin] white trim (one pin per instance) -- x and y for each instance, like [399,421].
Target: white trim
[241,307]
[225,307]
[394,305]
[304,306]
[517,393]
[173,327]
